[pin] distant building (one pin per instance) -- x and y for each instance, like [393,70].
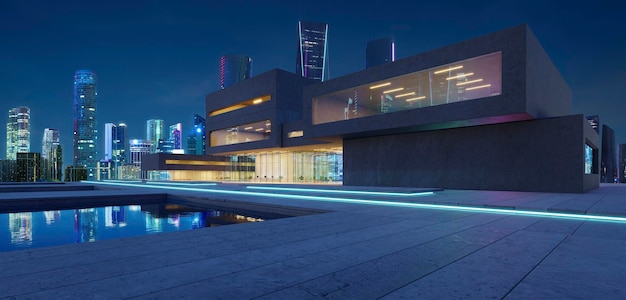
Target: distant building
[139,148]
[114,146]
[85,124]
[18,131]
[105,170]
[608,169]
[380,51]
[196,141]
[155,132]
[28,167]
[176,138]
[8,170]
[594,121]
[234,68]
[51,156]
[312,59]
[622,163]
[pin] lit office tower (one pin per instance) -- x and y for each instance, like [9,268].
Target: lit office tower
[137,149]
[85,125]
[312,44]
[154,133]
[380,51]
[608,169]
[18,131]
[115,146]
[234,68]
[51,156]
[196,141]
[622,163]
[176,137]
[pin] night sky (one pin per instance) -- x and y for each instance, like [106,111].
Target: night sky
[158,59]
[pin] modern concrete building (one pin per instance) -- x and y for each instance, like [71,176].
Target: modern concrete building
[312,61]
[234,68]
[380,51]
[18,131]
[85,126]
[488,113]
[608,166]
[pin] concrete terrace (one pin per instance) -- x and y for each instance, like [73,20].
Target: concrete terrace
[340,250]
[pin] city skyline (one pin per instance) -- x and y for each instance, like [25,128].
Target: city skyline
[158,62]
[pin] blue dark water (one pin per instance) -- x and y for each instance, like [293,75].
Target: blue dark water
[25,230]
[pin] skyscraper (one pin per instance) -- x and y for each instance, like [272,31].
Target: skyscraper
[312,45]
[380,51]
[196,141]
[51,158]
[154,133]
[608,169]
[85,125]
[18,131]
[234,68]
[114,147]
[176,137]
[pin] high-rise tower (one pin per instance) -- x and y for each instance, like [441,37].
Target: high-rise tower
[18,131]
[196,141]
[233,69]
[379,52]
[608,166]
[312,45]
[85,125]
[154,133]
[51,155]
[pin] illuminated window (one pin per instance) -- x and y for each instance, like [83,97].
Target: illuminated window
[295,134]
[469,79]
[244,133]
[244,104]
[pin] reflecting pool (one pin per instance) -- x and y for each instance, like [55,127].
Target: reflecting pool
[23,230]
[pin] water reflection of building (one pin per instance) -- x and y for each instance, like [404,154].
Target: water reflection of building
[85,224]
[114,216]
[20,226]
[153,224]
[216,218]
[52,216]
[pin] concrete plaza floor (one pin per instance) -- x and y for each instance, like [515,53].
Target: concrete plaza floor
[347,250]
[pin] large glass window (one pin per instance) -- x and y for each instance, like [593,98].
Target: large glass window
[245,133]
[473,78]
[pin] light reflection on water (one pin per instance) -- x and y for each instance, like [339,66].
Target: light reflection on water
[25,230]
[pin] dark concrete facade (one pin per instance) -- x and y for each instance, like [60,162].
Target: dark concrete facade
[608,166]
[538,155]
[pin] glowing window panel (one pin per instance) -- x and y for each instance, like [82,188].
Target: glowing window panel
[244,133]
[439,85]
[240,105]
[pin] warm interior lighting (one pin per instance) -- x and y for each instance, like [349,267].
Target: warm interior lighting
[471,81]
[460,76]
[248,128]
[240,105]
[416,98]
[258,129]
[295,134]
[448,69]
[380,85]
[404,95]
[477,87]
[393,90]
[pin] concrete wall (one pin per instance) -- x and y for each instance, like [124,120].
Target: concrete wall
[538,155]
